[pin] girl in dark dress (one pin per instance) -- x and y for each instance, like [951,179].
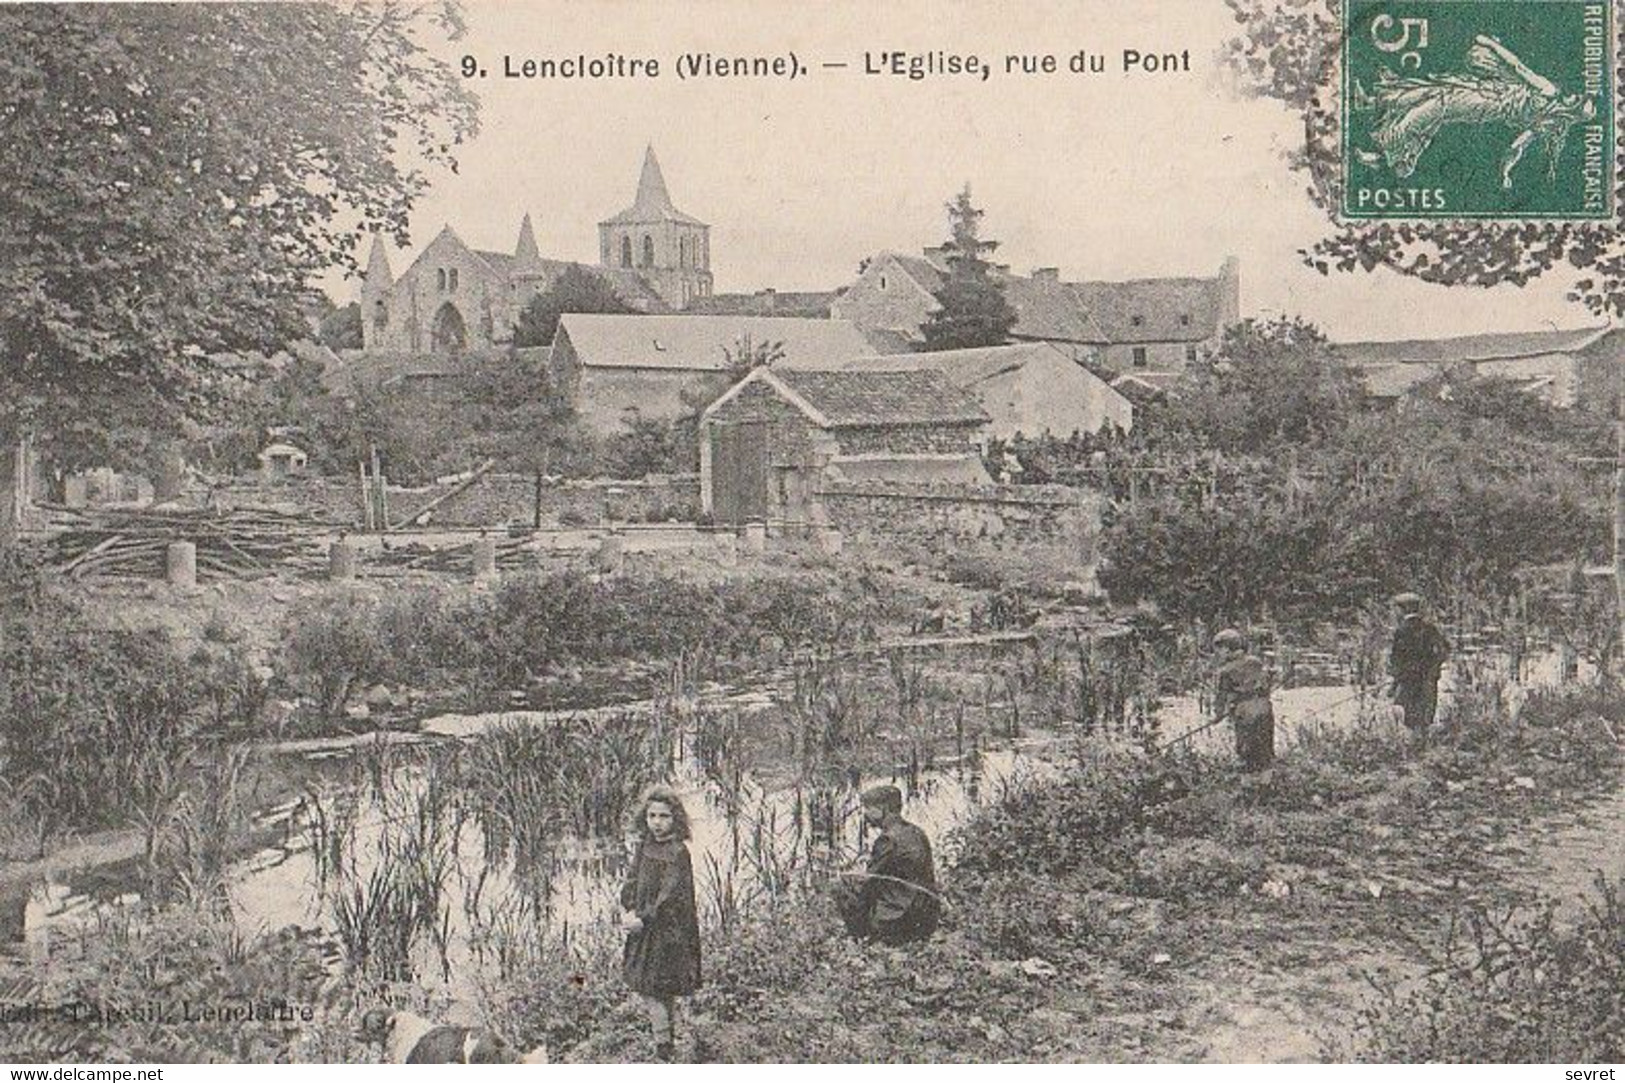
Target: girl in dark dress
[662,959]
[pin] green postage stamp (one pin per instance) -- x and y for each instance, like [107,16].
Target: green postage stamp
[1478,109]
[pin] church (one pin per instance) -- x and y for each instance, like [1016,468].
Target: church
[454,298]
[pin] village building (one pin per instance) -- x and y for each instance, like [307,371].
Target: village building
[616,368]
[1030,389]
[1149,324]
[280,460]
[455,298]
[775,439]
[1565,369]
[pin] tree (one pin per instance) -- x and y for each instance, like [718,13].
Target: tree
[576,290]
[341,328]
[1273,383]
[747,355]
[972,308]
[1288,51]
[176,177]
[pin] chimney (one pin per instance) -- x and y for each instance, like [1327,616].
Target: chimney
[1046,274]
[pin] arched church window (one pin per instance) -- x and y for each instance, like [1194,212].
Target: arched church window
[682,252]
[440,279]
[648,250]
[451,280]
[626,251]
[380,315]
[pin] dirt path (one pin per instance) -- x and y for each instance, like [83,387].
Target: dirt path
[1287,1009]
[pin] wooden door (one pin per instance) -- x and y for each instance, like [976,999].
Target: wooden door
[739,475]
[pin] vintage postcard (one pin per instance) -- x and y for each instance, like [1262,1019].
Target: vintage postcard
[739,531]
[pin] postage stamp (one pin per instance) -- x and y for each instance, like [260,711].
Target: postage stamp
[1478,109]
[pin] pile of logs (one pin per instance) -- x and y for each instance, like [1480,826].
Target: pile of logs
[128,542]
[418,557]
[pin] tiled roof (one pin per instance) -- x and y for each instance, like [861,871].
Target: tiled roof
[699,342]
[965,368]
[628,285]
[1467,348]
[810,305]
[886,340]
[858,399]
[922,270]
[1134,311]
[1141,386]
[1168,309]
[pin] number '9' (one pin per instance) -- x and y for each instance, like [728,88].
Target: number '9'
[470,67]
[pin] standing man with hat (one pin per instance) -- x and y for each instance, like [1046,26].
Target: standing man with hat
[894,900]
[1418,653]
[1243,696]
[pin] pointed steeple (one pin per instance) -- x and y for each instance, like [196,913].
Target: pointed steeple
[379,276]
[653,199]
[526,251]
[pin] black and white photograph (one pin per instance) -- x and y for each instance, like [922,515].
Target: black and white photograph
[556,532]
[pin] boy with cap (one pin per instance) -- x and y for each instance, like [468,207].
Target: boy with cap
[1243,696]
[1416,656]
[895,899]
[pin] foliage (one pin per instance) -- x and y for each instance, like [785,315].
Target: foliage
[95,724]
[1287,52]
[1513,987]
[204,165]
[972,308]
[533,625]
[1310,507]
[340,329]
[127,982]
[577,289]
[1272,384]
[746,355]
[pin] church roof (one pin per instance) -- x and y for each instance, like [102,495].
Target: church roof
[653,203]
[699,343]
[628,285]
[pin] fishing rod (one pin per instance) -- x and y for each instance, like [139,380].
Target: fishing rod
[921,888]
[1188,734]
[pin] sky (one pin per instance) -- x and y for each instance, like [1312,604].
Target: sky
[1105,176]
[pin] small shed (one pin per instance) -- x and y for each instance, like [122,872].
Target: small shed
[769,443]
[281,460]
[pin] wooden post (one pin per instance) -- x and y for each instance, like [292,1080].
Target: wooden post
[485,558]
[536,503]
[181,561]
[366,496]
[341,560]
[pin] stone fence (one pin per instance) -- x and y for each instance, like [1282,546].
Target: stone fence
[936,514]
[493,500]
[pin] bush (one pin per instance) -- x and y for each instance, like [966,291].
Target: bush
[92,720]
[1056,827]
[133,975]
[531,624]
[1523,988]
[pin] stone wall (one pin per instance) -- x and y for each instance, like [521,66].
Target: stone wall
[938,515]
[908,439]
[494,500]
